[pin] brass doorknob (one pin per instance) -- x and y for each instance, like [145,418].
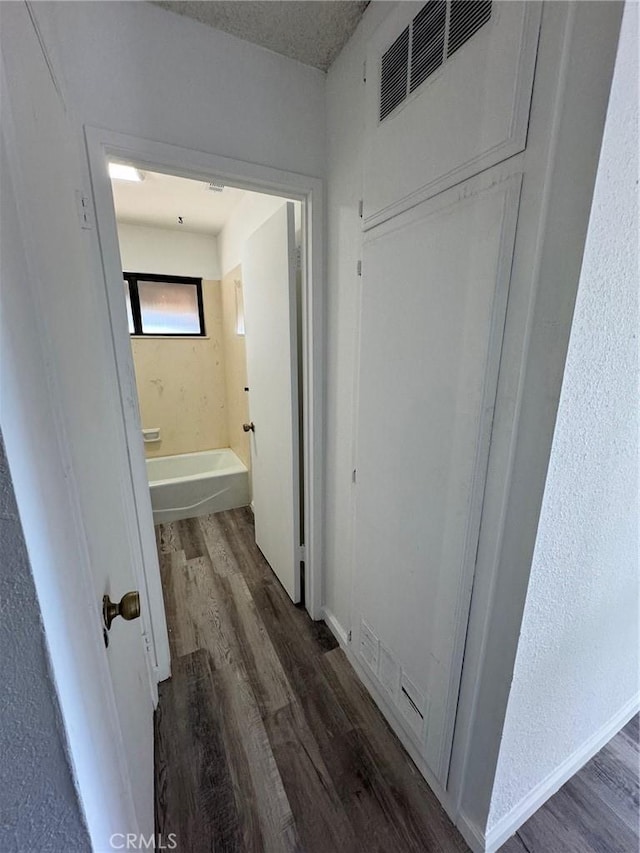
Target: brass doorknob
[249,427]
[128,607]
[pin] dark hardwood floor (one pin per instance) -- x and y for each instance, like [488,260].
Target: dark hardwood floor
[265,738]
[267,741]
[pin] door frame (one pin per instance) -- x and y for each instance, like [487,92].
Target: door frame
[102,144]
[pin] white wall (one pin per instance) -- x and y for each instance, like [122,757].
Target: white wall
[345,152]
[577,662]
[139,69]
[251,211]
[167,251]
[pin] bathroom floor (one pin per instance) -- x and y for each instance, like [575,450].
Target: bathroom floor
[265,738]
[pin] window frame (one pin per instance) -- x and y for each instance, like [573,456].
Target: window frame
[132,279]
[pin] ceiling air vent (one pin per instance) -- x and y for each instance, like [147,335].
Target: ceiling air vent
[427,41]
[466,18]
[394,74]
[420,49]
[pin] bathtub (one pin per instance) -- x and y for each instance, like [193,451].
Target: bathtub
[193,484]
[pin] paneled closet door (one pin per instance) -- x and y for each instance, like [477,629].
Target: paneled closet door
[434,292]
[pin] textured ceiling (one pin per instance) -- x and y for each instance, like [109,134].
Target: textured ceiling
[313,31]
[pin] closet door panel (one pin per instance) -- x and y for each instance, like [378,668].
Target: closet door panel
[435,284]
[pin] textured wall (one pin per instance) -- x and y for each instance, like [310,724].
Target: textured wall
[577,662]
[39,808]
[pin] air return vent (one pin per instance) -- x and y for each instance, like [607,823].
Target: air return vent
[466,18]
[394,74]
[420,49]
[427,42]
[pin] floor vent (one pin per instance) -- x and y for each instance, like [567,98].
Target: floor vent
[420,49]
[413,704]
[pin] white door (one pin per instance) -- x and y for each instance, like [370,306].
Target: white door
[435,281]
[269,280]
[68,325]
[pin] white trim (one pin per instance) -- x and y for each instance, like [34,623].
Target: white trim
[164,157]
[537,797]
[335,627]
[471,833]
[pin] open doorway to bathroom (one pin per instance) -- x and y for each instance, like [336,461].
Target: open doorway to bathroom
[212,286]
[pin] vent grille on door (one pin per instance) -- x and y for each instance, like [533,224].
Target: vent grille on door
[427,43]
[420,49]
[466,18]
[393,77]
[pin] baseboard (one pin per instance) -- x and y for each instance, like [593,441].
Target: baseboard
[389,713]
[395,721]
[511,822]
[335,627]
[471,833]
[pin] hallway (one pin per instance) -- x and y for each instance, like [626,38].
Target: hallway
[265,738]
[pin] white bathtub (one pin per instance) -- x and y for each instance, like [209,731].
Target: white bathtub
[193,484]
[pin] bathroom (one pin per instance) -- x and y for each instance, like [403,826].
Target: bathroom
[185,250]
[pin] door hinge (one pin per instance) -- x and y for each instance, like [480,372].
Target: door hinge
[303,553]
[359,268]
[83,206]
[364,71]
[354,475]
[360,208]
[349,636]
[147,642]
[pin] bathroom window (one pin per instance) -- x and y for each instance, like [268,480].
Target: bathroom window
[164,305]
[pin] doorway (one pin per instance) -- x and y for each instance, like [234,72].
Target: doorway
[212,289]
[210,172]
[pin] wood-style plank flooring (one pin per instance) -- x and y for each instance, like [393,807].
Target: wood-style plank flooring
[267,741]
[265,738]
